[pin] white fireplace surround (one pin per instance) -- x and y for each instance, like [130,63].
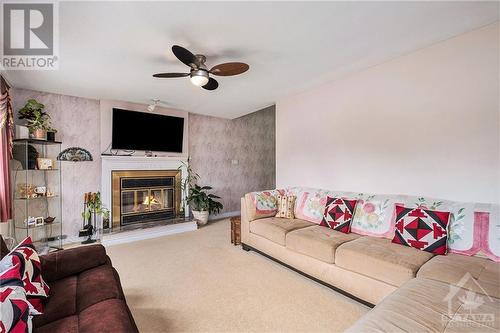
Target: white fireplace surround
[116,163]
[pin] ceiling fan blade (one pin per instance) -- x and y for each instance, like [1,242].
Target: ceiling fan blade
[184,55]
[229,68]
[211,85]
[167,75]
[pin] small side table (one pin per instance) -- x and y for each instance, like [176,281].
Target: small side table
[236,230]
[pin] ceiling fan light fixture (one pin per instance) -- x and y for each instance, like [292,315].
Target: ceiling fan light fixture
[199,77]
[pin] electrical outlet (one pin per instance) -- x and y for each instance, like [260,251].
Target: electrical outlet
[234,162]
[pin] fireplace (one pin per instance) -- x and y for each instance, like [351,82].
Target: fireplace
[141,196]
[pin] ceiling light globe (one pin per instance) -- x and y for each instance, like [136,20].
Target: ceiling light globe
[199,78]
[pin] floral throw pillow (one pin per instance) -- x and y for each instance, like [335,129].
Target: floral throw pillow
[15,308]
[338,214]
[422,229]
[27,258]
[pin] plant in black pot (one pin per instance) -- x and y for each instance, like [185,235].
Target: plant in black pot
[51,134]
[203,203]
[37,120]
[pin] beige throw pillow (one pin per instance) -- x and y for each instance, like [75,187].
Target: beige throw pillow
[285,205]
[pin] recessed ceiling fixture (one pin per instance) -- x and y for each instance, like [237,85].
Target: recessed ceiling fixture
[199,74]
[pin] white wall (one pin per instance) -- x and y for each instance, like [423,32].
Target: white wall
[424,124]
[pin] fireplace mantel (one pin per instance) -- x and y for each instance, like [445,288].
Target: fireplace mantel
[115,163]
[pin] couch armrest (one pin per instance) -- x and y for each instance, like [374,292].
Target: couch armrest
[60,264]
[245,223]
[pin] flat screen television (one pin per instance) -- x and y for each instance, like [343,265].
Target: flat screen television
[132,130]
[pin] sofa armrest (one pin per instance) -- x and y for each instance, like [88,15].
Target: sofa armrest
[244,222]
[60,264]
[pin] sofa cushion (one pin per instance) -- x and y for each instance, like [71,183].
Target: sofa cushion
[423,229]
[111,315]
[63,325]
[317,242]
[275,228]
[3,248]
[61,302]
[380,259]
[473,273]
[96,285]
[424,305]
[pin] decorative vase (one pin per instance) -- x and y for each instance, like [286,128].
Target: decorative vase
[39,134]
[201,217]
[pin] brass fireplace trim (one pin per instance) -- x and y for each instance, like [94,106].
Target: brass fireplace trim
[116,176]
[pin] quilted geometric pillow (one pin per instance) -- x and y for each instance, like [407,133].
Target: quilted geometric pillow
[15,309]
[338,214]
[27,258]
[421,228]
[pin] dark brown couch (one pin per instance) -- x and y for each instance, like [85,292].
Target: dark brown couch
[85,293]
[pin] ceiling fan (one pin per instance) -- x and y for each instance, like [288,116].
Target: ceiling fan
[199,73]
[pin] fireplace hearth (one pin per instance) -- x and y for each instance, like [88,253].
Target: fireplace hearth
[142,196]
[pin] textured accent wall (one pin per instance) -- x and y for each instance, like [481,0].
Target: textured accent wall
[250,140]
[213,143]
[77,121]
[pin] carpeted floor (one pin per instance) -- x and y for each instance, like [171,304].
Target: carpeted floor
[199,281]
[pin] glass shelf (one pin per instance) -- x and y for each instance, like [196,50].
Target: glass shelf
[37,141]
[45,225]
[37,198]
[23,170]
[26,177]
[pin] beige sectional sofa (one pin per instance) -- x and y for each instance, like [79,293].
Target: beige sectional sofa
[411,290]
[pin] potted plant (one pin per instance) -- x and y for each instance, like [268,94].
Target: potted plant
[38,121]
[188,182]
[203,203]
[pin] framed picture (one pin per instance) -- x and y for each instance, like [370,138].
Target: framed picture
[30,221]
[39,221]
[44,163]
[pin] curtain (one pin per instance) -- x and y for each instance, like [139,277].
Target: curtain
[6,137]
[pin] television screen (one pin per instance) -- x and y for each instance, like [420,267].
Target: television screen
[146,131]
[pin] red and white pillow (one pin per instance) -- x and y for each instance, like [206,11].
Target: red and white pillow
[15,308]
[27,258]
[422,228]
[338,214]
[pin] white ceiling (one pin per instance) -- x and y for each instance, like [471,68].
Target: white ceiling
[109,50]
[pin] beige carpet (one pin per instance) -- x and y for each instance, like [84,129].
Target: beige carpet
[199,281]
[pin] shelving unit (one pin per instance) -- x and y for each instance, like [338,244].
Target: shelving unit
[29,202]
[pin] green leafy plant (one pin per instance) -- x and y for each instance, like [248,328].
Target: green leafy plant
[94,205]
[188,182]
[200,200]
[35,116]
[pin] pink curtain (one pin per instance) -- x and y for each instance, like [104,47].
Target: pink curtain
[6,137]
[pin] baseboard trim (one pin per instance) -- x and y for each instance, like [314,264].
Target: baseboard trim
[247,248]
[224,215]
[148,233]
